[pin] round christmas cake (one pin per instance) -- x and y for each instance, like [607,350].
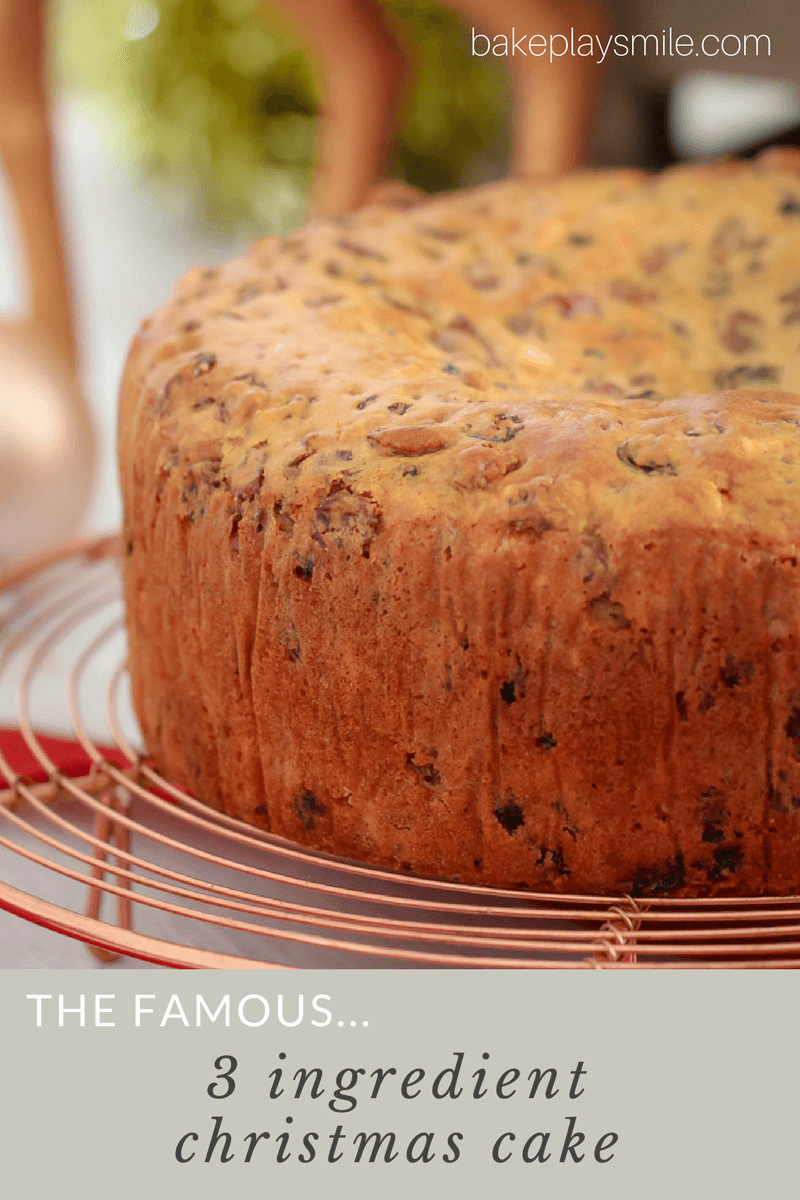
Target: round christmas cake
[463,537]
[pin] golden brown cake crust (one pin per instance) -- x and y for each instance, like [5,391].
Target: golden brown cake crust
[463,538]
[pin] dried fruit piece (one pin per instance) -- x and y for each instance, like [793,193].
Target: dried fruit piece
[482,275]
[630,292]
[360,251]
[734,335]
[479,466]
[202,363]
[249,291]
[727,238]
[322,299]
[742,376]
[609,612]
[577,304]
[519,323]
[653,261]
[442,235]
[651,454]
[344,513]
[409,441]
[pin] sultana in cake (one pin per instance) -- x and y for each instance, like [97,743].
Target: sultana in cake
[462,538]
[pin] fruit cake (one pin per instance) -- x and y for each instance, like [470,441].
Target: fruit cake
[461,536]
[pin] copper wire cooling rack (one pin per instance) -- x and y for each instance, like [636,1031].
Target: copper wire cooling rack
[141,868]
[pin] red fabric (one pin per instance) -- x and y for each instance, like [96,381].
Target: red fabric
[68,756]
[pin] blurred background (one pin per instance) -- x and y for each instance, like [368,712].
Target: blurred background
[184,128]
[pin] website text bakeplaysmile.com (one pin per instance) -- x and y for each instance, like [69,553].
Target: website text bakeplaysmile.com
[665,44]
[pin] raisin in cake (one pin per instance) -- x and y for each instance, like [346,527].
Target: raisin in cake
[463,538]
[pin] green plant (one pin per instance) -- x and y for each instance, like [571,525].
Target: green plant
[217,97]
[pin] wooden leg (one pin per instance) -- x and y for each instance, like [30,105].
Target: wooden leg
[553,102]
[362,71]
[27,157]
[44,488]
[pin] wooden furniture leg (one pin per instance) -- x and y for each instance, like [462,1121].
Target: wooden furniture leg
[47,443]
[26,153]
[553,101]
[363,70]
